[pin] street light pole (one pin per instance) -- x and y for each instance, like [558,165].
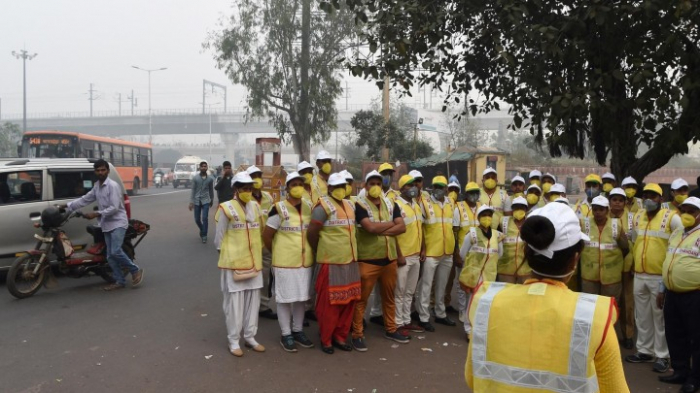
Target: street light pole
[24,55]
[150,121]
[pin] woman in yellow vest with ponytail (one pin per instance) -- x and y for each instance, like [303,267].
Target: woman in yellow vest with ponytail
[540,336]
[239,243]
[292,258]
[512,266]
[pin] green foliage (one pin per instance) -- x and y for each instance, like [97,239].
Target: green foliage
[374,134]
[612,75]
[10,135]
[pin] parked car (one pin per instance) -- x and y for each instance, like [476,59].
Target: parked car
[28,186]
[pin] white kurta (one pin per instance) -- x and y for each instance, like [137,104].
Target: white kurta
[290,285]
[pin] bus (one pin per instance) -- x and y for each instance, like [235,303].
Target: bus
[131,159]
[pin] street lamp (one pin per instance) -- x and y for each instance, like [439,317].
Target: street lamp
[24,55]
[150,123]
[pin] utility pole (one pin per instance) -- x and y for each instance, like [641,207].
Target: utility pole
[92,98]
[118,98]
[134,102]
[24,55]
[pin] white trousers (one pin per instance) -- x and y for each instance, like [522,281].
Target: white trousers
[436,271]
[291,317]
[651,332]
[463,299]
[241,313]
[406,282]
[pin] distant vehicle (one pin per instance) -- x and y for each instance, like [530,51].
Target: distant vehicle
[167,175]
[185,169]
[131,159]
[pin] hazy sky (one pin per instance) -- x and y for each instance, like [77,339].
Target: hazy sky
[95,41]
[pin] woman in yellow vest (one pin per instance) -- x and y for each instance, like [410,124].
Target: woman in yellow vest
[239,243]
[512,266]
[292,258]
[464,219]
[540,336]
[480,251]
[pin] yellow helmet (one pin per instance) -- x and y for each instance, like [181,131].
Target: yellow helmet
[440,180]
[405,179]
[471,186]
[384,167]
[654,188]
[593,178]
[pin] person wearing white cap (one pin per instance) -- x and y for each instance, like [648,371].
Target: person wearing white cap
[679,193]
[548,180]
[523,334]
[319,183]
[680,299]
[556,191]
[494,196]
[349,188]
[463,220]
[631,187]
[533,196]
[618,211]
[609,182]
[418,182]
[292,260]
[239,242]
[306,170]
[331,235]
[512,266]
[266,201]
[453,191]
[602,258]
[535,177]
[201,199]
[517,186]
[480,251]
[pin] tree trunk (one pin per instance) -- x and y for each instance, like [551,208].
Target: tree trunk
[302,136]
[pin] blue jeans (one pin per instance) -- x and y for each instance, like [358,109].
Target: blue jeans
[116,257]
[201,218]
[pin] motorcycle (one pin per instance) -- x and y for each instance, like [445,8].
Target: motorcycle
[158,180]
[32,270]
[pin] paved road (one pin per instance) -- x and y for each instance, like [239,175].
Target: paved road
[156,338]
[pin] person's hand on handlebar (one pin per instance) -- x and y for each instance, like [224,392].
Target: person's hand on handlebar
[90,216]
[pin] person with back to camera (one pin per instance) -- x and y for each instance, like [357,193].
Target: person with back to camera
[540,336]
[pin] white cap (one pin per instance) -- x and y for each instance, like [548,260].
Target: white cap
[550,175]
[347,175]
[561,199]
[453,184]
[535,173]
[415,174]
[242,177]
[292,176]
[519,201]
[304,165]
[558,188]
[482,209]
[252,169]
[600,201]
[374,173]
[608,176]
[567,228]
[336,179]
[518,178]
[489,170]
[692,201]
[678,184]
[629,180]
[534,187]
[617,191]
[323,155]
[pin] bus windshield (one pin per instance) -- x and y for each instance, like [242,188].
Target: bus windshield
[49,146]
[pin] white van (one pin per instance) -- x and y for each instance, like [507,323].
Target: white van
[185,169]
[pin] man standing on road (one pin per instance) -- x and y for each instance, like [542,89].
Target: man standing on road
[201,199]
[113,221]
[224,190]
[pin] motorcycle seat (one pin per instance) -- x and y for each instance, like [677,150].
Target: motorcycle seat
[94,230]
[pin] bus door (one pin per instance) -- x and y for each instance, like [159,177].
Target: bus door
[144,169]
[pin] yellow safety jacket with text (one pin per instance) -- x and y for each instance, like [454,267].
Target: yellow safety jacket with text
[681,268]
[337,242]
[467,220]
[652,241]
[319,188]
[601,258]
[371,246]
[437,226]
[410,242]
[290,246]
[241,247]
[513,262]
[497,201]
[481,262]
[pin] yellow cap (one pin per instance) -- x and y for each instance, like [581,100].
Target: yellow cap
[593,178]
[385,166]
[471,186]
[440,180]
[405,179]
[655,188]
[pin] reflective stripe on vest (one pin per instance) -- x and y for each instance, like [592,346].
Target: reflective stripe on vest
[576,380]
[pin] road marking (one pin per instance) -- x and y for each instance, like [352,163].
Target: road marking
[162,193]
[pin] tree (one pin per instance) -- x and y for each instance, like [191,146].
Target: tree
[374,134]
[285,53]
[462,130]
[615,74]
[9,136]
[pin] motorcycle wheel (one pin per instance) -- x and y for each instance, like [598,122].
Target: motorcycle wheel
[21,282]
[106,272]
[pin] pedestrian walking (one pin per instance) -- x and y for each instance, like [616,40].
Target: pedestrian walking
[224,190]
[202,198]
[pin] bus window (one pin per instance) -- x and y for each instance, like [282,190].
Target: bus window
[49,146]
[118,156]
[128,156]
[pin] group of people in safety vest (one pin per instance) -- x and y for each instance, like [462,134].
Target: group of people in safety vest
[538,279]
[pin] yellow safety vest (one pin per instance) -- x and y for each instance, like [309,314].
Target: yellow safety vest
[537,337]
[307,195]
[627,225]
[337,242]
[437,226]
[290,246]
[391,194]
[601,259]
[652,241]
[266,203]
[241,247]
[681,269]
[671,206]
[467,219]
[481,262]
[513,262]
[583,209]
[319,188]
[371,246]
[410,241]
[635,206]
[497,201]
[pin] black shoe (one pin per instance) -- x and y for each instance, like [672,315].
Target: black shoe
[690,387]
[379,320]
[269,314]
[396,336]
[288,343]
[628,343]
[427,326]
[661,365]
[310,315]
[451,310]
[675,378]
[343,347]
[445,321]
[359,344]
[301,339]
[415,316]
[328,350]
[639,358]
